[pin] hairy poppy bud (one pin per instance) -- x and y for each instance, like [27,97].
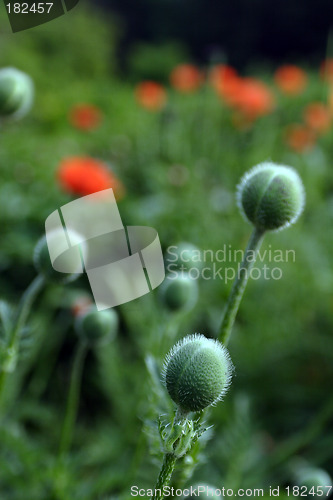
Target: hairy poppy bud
[16,93]
[184,256]
[179,293]
[197,372]
[70,259]
[97,327]
[311,477]
[271,196]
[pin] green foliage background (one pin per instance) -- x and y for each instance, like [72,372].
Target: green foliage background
[280,406]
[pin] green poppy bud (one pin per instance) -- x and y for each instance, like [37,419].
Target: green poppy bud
[16,93]
[312,477]
[271,196]
[179,293]
[97,327]
[184,256]
[197,372]
[70,259]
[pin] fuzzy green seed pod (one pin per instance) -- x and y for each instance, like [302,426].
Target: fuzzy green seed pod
[97,327]
[179,293]
[271,196]
[197,372]
[16,93]
[70,259]
[184,256]
[313,477]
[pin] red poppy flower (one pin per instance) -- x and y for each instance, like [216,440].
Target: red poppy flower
[250,97]
[317,117]
[85,117]
[300,138]
[326,70]
[186,78]
[151,95]
[222,78]
[80,305]
[290,79]
[84,175]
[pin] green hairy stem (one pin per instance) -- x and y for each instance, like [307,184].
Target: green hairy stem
[239,286]
[23,311]
[73,399]
[165,474]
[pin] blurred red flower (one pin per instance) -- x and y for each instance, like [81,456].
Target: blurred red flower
[84,175]
[290,79]
[300,138]
[186,78]
[251,97]
[326,70]
[80,305]
[151,95]
[317,117]
[223,78]
[85,116]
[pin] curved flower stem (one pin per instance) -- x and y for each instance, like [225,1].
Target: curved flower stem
[165,474]
[21,317]
[170,332]
[239,285]
[25,305]
[73,399]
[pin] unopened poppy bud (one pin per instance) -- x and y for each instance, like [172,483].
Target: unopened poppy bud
[180,438]
[271,196]
[180,293]
[69,259]
[312,477]
[197,372]
[16,93]
[184,256]
[97,327]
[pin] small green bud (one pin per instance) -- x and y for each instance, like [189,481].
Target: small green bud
[312,477]
[183,256]
[179,293]
[69,260]
[179,439]
[97,327]
[203,490]
[271,196]
[16,93]
[197,372]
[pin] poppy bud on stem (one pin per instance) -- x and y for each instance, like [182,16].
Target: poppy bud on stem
[197,370]
[197,374]
[16,93]
[93,328]
[271,197]
[46,274]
